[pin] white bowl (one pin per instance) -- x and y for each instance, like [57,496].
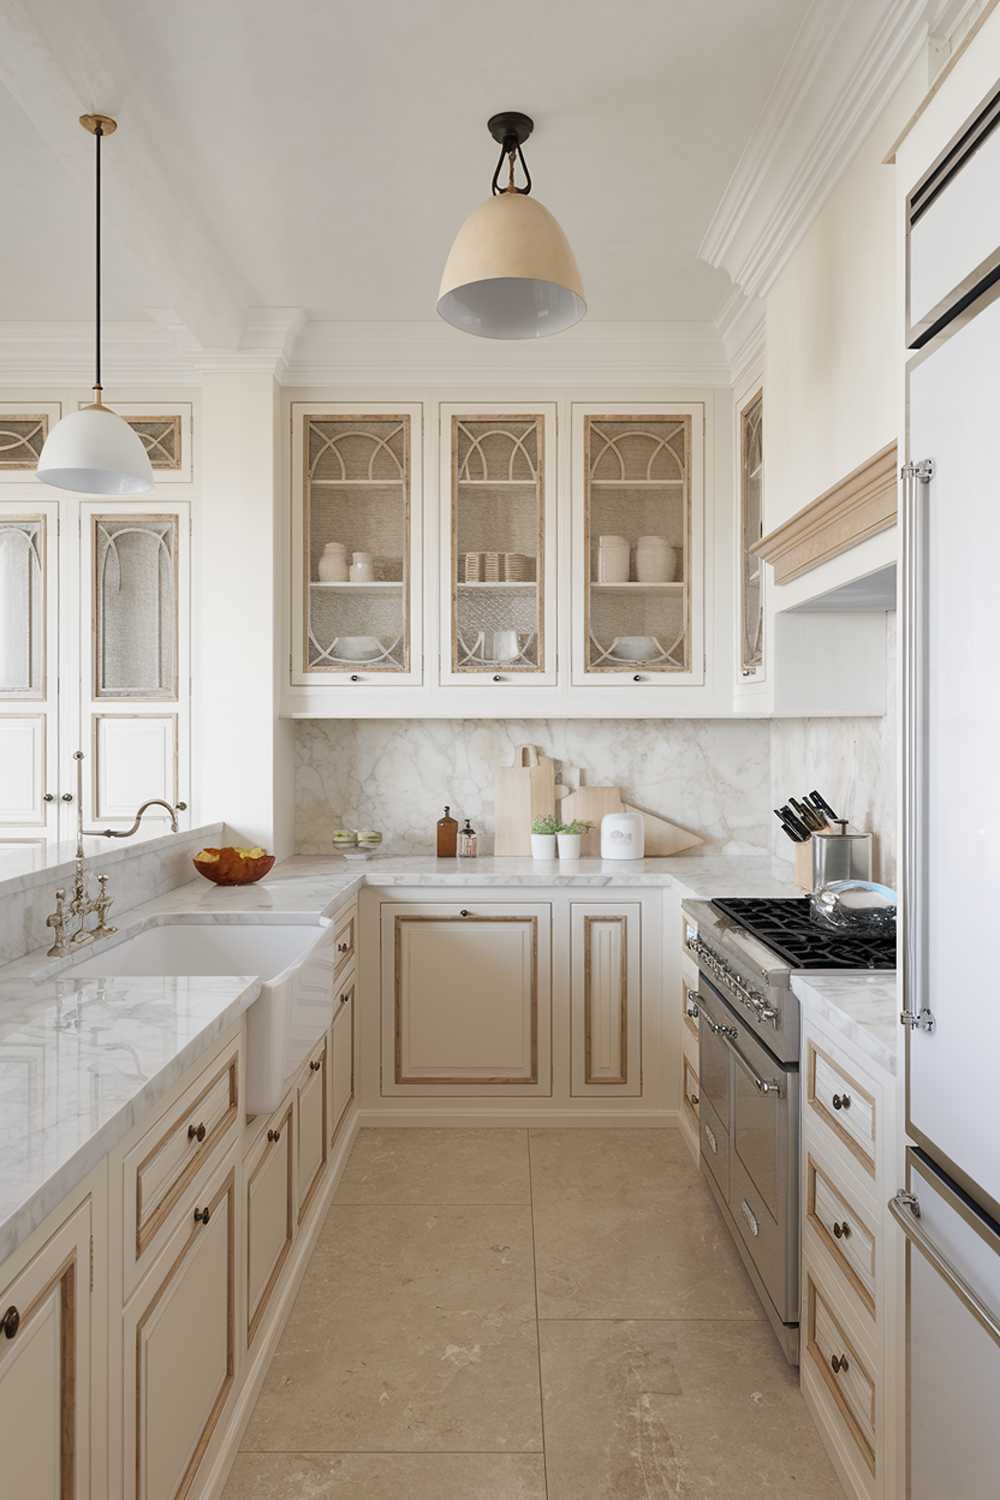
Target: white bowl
[634,648]
[357,647]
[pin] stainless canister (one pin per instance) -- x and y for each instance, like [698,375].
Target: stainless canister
[839,855]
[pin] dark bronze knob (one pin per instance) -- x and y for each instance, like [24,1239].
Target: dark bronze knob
[344,998]
[342,948]
[842,1231]
[693,1098]
[197,1132]
[355,677]
[315,1065]
[497,677]
[465,912]
[49,797]
[202,1215]
[841,1101]
[10,1322]
[637,677]
[274,1136]
[67,796]
[839,1363]
[182,807]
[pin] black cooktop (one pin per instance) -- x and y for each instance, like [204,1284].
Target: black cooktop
[786,927]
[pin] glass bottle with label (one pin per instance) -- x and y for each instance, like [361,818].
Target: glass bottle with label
[468,842]
[447,836]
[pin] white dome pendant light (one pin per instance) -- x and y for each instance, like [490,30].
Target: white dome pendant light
[93,450]
[511,273]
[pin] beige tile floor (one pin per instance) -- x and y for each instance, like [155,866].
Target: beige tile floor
[527,1315]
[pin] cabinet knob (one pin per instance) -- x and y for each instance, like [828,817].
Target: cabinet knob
[315,1065]
[10,1322]
[841,1101]
[497,677]
[181,806]
[48,797]
[344,998]
[197,1132]
[202,1215]
[693,1098]
[637,677]
[341,947]
[274,1136]
[839,1363]
[67,796]
[355,677]
[842,1231]
[465,912]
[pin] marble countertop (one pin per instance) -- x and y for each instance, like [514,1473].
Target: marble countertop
[80,1062]
[864,1008]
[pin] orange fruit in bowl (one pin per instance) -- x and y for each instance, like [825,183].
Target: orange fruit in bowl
[231,866]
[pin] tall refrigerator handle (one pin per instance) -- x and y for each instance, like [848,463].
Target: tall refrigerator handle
[905,1209]
[915,478]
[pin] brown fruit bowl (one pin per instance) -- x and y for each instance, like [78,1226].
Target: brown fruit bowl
[233,866]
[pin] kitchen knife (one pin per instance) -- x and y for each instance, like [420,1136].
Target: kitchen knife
[807,814]
[818,800]
[797,832]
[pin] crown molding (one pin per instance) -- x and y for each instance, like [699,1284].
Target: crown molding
[741,327]
[848,58]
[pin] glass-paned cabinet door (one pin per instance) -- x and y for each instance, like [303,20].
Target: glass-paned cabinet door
[355,539]
[498,594]
[638,543]
[750,531]
[29,728]
[135,610]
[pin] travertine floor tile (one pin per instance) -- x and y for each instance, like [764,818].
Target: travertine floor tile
[676,1411]
[664,1256]
[608,1165]
[412,1261]
[386,1476]
[394,1165]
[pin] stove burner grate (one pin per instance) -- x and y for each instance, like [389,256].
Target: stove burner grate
[786,927]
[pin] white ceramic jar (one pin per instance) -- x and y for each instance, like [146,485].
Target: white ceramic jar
[656,561]
[332,566]
[612,559]
[362,568]
[623,836]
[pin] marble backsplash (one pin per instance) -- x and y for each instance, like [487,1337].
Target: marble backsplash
[851,761]
[709,775]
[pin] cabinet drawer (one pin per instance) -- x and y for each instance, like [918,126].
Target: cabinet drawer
[847,1378]
[341,1066]
[311,1118]
[170,1155]
[715,1146]
[270,1211]
[837,1099]
[843,1230]
[691,1096]
[345,934]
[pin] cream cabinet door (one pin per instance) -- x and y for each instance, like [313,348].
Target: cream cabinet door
[179,1347]
[342,1053]
[466,998]
[45,1370]
[311,1102]
[606,984]
[270,1211]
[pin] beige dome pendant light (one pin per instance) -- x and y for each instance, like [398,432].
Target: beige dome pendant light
[511,273]
[93,450]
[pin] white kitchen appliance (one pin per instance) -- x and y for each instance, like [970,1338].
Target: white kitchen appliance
[623,836]
[949,1206]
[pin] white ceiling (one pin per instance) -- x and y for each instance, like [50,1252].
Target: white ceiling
[322,155]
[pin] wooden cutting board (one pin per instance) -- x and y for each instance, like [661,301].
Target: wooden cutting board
[524,791]
[663,838]
[589,804]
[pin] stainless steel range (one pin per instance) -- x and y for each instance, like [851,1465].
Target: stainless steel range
[746,952]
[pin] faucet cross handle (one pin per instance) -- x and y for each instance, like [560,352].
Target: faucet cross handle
[57,921]
[102,906]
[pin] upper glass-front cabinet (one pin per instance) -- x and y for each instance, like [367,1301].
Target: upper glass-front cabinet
[638,544]
[498,617]
[356,477]
[751,529]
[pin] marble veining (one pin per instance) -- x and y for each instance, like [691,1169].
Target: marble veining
[80,1063]
[863,1008]
[708,775]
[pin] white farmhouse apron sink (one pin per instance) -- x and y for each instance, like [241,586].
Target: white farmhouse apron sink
[293,961]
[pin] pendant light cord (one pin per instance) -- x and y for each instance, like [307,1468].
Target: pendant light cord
[511,152]
[97,261]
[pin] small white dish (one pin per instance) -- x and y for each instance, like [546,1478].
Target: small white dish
[357,647]
[358,854]
[634,648]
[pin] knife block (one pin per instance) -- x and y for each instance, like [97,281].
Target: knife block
[804,866]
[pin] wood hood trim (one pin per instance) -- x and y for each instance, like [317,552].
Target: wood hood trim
[858,506]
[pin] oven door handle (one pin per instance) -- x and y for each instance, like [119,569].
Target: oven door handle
[762,1085]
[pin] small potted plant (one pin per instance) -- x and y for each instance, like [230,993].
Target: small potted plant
[543,838]
[569,836]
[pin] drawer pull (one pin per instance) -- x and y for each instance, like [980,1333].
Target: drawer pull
[841,1101]
[750,1217]
[710,1137]
[345,997]
[197,1132]
[465,912]
[202,1215]
[315,1065]
[274,1136]
[838,1363]
[842,1231]
[718,1030]
[10,1322]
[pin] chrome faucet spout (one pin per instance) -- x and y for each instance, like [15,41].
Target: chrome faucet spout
[126,833]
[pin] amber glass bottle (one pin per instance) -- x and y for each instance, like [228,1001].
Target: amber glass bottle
[447,836]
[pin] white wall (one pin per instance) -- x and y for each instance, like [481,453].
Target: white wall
[831,366]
